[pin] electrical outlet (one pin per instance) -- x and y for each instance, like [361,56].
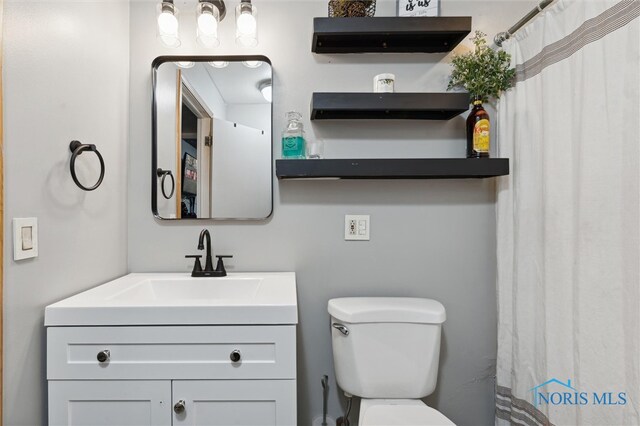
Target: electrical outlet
[357,227]
[352,228]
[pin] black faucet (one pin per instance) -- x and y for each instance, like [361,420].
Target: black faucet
[208,267]
[208,271]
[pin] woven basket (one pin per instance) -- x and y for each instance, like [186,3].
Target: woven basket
[352,8]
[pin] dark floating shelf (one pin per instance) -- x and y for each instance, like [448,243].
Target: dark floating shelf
[396,168]
[390,106]
[389,34]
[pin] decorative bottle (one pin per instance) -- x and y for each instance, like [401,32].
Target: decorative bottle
[293,144]
[478,131]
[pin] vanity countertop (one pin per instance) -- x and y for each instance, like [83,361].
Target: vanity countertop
[252,298]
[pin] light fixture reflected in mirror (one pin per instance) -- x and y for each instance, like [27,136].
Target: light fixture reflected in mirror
[168,24]
[252,64]
[219,64]
[208,16]
[266,88]
[185,64]
[246,24]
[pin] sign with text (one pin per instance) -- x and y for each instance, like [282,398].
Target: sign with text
[418,7]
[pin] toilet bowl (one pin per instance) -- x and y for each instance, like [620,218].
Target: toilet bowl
[386,351]
[400,412]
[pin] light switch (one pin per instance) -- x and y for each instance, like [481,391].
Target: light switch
[25,238]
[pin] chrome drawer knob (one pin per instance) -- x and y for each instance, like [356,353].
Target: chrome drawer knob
[235,356]
[103,356]
[179,407]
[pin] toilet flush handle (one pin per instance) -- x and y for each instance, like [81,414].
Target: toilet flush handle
[341,328]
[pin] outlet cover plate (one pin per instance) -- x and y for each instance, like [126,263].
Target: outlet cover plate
[357,227]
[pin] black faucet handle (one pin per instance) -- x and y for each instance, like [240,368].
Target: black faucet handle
[220,265]
[197,267]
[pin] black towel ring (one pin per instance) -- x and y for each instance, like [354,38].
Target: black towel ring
[78,148]
[163,174]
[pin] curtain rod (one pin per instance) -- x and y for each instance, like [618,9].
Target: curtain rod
[505,35]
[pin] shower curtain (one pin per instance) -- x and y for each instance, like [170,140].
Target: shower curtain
[568,219]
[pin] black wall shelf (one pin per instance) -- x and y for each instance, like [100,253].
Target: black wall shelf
[389,34]
[393,168]
[391,106]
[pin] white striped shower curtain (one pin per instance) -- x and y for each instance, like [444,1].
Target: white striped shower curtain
[568,219]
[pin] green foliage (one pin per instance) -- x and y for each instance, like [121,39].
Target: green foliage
[484,73]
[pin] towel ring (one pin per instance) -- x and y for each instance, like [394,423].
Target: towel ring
[78,148]
[163,174]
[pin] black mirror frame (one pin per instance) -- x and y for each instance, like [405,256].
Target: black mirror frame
[154,128]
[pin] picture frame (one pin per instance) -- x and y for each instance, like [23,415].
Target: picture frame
[418,7]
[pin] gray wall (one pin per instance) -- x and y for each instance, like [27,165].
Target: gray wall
[428,238]
[65,77]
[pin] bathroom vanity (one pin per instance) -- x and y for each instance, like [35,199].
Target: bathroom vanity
[168,349]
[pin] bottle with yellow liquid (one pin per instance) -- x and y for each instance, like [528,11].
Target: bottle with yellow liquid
[478,131]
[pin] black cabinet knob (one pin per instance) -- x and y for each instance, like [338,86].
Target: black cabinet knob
[235,356]
[179,407]
[103,356]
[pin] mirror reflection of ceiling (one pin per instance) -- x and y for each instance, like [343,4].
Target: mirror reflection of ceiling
[237,83]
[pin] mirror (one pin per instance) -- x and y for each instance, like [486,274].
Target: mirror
[212,154]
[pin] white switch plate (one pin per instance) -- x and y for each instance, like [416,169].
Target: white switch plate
[25,238]
[357,227]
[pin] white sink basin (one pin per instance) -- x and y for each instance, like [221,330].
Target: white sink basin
[179,299]
[171,289]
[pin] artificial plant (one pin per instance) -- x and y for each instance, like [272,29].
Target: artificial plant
[484,73]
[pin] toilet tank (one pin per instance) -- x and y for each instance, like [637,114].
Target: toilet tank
[386,347]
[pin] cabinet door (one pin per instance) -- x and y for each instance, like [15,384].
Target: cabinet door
[235,402]
[110,403]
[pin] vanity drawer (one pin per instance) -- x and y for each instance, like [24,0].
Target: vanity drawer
[185,352]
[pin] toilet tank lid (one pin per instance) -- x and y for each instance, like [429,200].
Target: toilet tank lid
[387,309]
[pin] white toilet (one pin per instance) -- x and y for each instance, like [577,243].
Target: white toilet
[386,351]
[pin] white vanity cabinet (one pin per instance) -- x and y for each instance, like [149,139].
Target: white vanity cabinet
[172,375]
[163,349]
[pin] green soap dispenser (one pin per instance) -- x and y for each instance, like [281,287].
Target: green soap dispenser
[293,143]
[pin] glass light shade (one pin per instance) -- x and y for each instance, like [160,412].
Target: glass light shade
[246,24]
[219,64]
[185,64]
[208,17]
[168,25]
[252,64]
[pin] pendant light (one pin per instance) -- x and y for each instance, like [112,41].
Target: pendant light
[208,16]
[246,24]
[168,24]
[266,88]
